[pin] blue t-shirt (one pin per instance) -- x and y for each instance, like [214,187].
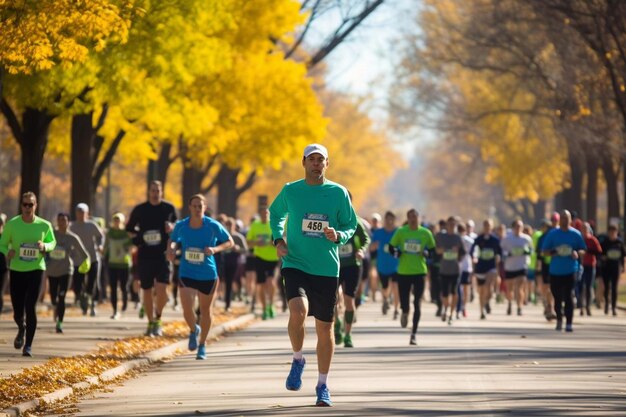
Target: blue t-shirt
[564,243]
[488,248]
[385,263]
[194,263]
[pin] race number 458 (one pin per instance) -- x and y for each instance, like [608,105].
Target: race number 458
[313,225]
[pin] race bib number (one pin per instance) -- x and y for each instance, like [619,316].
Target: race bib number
[518,251]
[487,254]
[152,237]
[450,255]
[263,240]
[29,252]
[58,253]
[386,248]
[194,255]
[614,254]
[313,225]
[564,250]
[412,246]
[346,250]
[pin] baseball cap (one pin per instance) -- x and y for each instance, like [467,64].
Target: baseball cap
[555,216]
[82,207]
[120,217]
[315,148]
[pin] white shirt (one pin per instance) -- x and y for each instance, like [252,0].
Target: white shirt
[516,251]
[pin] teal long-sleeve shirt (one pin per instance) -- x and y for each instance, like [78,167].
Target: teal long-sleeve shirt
[304,210]
[22,238]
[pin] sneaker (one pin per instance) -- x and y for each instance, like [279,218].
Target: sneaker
[444,317]
[559,325]
[464,313]
[347,341]
[157,328]
[614,313]
[438,312]
[450,320]
[19,339]
[482,315]
[519,311]
[27,351]
[270,311]
[193,339]
[142,312]
[395,315]
[59,327]
[201,355]
[92,312]
[582,312]
[294,379]
[588,311]
[508,310]
[487,308]
[323,396]
[150,330]
[115,316]
[569,328]
[404,320]
[385,307]
[265,314]
[84,303]
[412,341]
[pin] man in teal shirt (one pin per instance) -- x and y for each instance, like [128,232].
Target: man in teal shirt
[320,219]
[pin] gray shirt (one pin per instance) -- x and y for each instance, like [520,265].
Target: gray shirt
[91,235]
[453,251]
[68,253]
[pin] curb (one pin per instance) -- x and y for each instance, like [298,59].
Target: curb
[146,359]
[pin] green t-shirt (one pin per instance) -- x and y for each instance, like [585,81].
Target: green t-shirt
[533,256]
[260,234]
[22,238]
[360,240]
[308,209]
[117,249]
[412,244]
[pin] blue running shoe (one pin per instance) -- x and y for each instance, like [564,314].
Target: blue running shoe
[193,339]
[294,379]
[201,355]
[323,396]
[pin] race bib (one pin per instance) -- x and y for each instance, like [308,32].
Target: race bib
[450,255]
[313,225]
[29,252]
[614,254]
[194,255]
[346,250]
[386,248]
[152,237]
[487,254]
[564,250]
[518,251]
[58,253]
[412,246]
[263,239]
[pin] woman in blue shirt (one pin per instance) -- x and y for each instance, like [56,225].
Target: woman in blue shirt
[200,238]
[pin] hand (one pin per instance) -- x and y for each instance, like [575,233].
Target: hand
[360,254]
[281,249]
[41,246]
[169,226]
[10,254]
[209,251]
[331,234]
[170,254]
[575,254]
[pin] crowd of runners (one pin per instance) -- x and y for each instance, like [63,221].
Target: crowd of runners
[153,259]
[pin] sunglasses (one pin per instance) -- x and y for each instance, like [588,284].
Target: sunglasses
[28,205]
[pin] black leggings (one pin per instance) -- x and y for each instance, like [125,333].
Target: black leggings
[562,287]
[58,290]
[118,276]
[405,282]
[611,279]
[231,264]
[3,274]
[92,283]
[24,294]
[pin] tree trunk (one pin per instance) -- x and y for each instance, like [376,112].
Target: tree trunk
[36,125]
[227,193]
[539,211]
[591,212]
[192,182]
[572,196]
[83,135]
[157,169]
[610,177]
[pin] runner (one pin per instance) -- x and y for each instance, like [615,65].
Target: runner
[61,261]
[351,256]
[321,218]
[259,238]
[450,248]
[466,271]
[614,253]
[485,264]
[24,242]
[566,246]
[92,238]
[435,267]
[412,244]
[233,261]
[117,253]
[589,268]
[149,225]
[200,238]
[516,250]
[544,262]
[386,263]
[3,265]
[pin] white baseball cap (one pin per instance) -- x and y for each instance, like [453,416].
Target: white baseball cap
[82,207]
[315,148]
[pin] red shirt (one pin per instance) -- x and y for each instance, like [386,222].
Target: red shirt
[593,249]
